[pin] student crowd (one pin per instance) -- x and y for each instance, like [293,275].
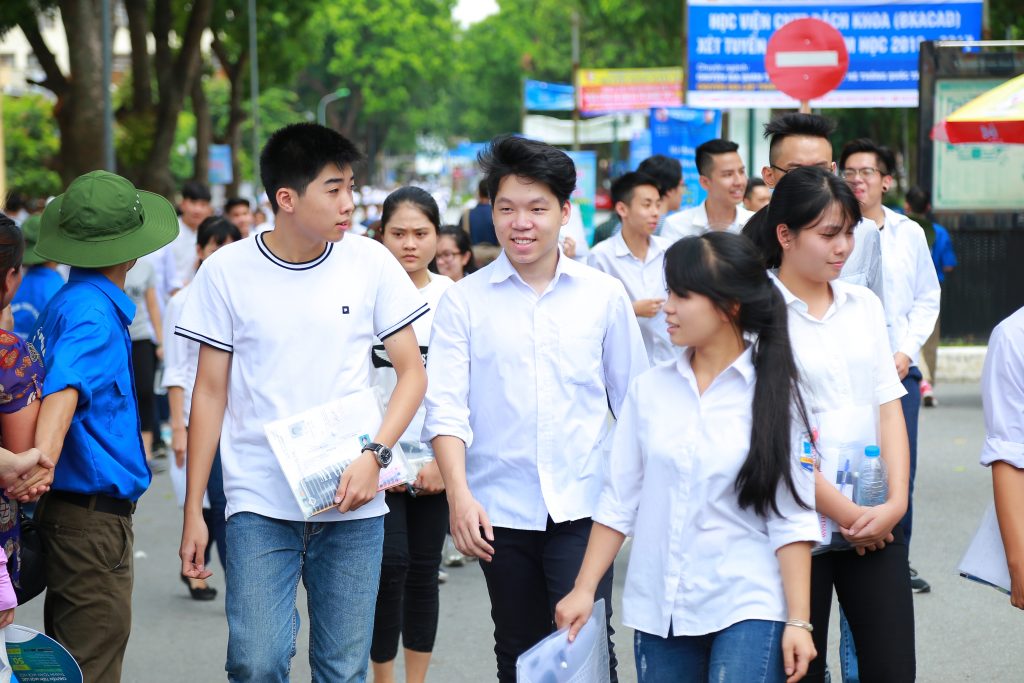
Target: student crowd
[689,381]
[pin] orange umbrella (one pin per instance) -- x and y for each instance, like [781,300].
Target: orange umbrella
[996,116]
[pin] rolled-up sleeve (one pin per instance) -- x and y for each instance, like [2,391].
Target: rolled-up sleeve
[794,522]
[623,484]
[448,367]
[624,355]
[1002,394]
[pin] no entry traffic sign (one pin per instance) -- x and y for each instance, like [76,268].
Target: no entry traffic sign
[806,59]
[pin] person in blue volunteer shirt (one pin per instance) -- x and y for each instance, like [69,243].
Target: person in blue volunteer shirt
[88,422]
[38,285]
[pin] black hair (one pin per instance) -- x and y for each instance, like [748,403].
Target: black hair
[626,184]
[727,269]
[666,171]
[218,230]
[195,191]
[481,188]
[800,197]
[12,250]
[236,201]
[795,123]
[15,202]
[296,154]
[527,159]
[462,243]
[918,200]
[416,196]
[708,150]
[886,159]
[751,184]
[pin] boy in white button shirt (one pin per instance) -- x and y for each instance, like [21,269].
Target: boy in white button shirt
[1002,395]
[911,287]
[527,357]
[796,140]
[637,258]
[286,321]
[724,177]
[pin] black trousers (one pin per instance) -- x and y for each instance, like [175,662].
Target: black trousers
[531,571]
[144,367]
[874,592]
[407,602]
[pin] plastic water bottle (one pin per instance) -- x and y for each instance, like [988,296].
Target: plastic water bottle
[872,479]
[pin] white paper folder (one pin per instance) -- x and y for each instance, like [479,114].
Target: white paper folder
[556,660]
[985,559]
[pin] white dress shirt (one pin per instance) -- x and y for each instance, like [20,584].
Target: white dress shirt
[184,249]
[912,292]
[1002,393]
[526,381]
[844,359]
[693,222]
[642,280]
[699,562]
[864,264]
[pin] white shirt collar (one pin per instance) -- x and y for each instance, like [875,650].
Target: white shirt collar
[744,364]
[621,249]
[503,269]
[839,294]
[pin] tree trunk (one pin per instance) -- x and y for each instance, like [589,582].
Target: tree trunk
[80,111]
[138,32]
[176,83]
[204,132]
[236,113]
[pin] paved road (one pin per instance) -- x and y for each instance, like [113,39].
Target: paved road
[964,631]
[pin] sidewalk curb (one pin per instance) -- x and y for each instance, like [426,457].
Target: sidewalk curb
[960,363]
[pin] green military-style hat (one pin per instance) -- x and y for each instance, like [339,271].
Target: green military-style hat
[30,231]
[102,220]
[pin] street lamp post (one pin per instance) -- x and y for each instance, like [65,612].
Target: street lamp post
[321,110]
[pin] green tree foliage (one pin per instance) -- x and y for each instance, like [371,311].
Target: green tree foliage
[31,145]
[395,58]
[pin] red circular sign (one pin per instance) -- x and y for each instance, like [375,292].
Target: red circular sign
[806,59]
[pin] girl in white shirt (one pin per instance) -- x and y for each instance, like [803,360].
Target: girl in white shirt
[415,526]
[706,473]
[853,393]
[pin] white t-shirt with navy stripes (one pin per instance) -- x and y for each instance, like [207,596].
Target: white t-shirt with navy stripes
[300,335]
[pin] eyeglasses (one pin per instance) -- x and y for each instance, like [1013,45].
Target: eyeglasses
[448,255]
[865,173]
[824,167]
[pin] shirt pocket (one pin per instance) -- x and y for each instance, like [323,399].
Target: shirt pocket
[115,402]
[579,356]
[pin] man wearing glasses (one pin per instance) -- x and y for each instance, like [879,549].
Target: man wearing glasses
[803,140]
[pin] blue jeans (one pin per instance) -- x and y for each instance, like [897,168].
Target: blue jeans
[339,564]
[214,517]
[746,652]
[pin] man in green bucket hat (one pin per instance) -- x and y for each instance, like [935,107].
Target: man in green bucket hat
[88,422]
[39,284]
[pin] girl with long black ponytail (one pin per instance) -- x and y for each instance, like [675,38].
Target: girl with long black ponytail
[849,382]
[708,473]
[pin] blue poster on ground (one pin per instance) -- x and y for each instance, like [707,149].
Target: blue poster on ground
[728,39]
[677,132]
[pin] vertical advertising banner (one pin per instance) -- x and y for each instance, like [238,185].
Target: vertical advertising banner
[728,39]
[677,132]
[220,172]
[585,194]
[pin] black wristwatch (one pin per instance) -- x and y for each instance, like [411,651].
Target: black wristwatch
[380,452]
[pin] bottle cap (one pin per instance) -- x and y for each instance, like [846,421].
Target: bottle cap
[872,452]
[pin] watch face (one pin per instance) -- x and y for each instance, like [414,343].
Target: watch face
[384,456]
